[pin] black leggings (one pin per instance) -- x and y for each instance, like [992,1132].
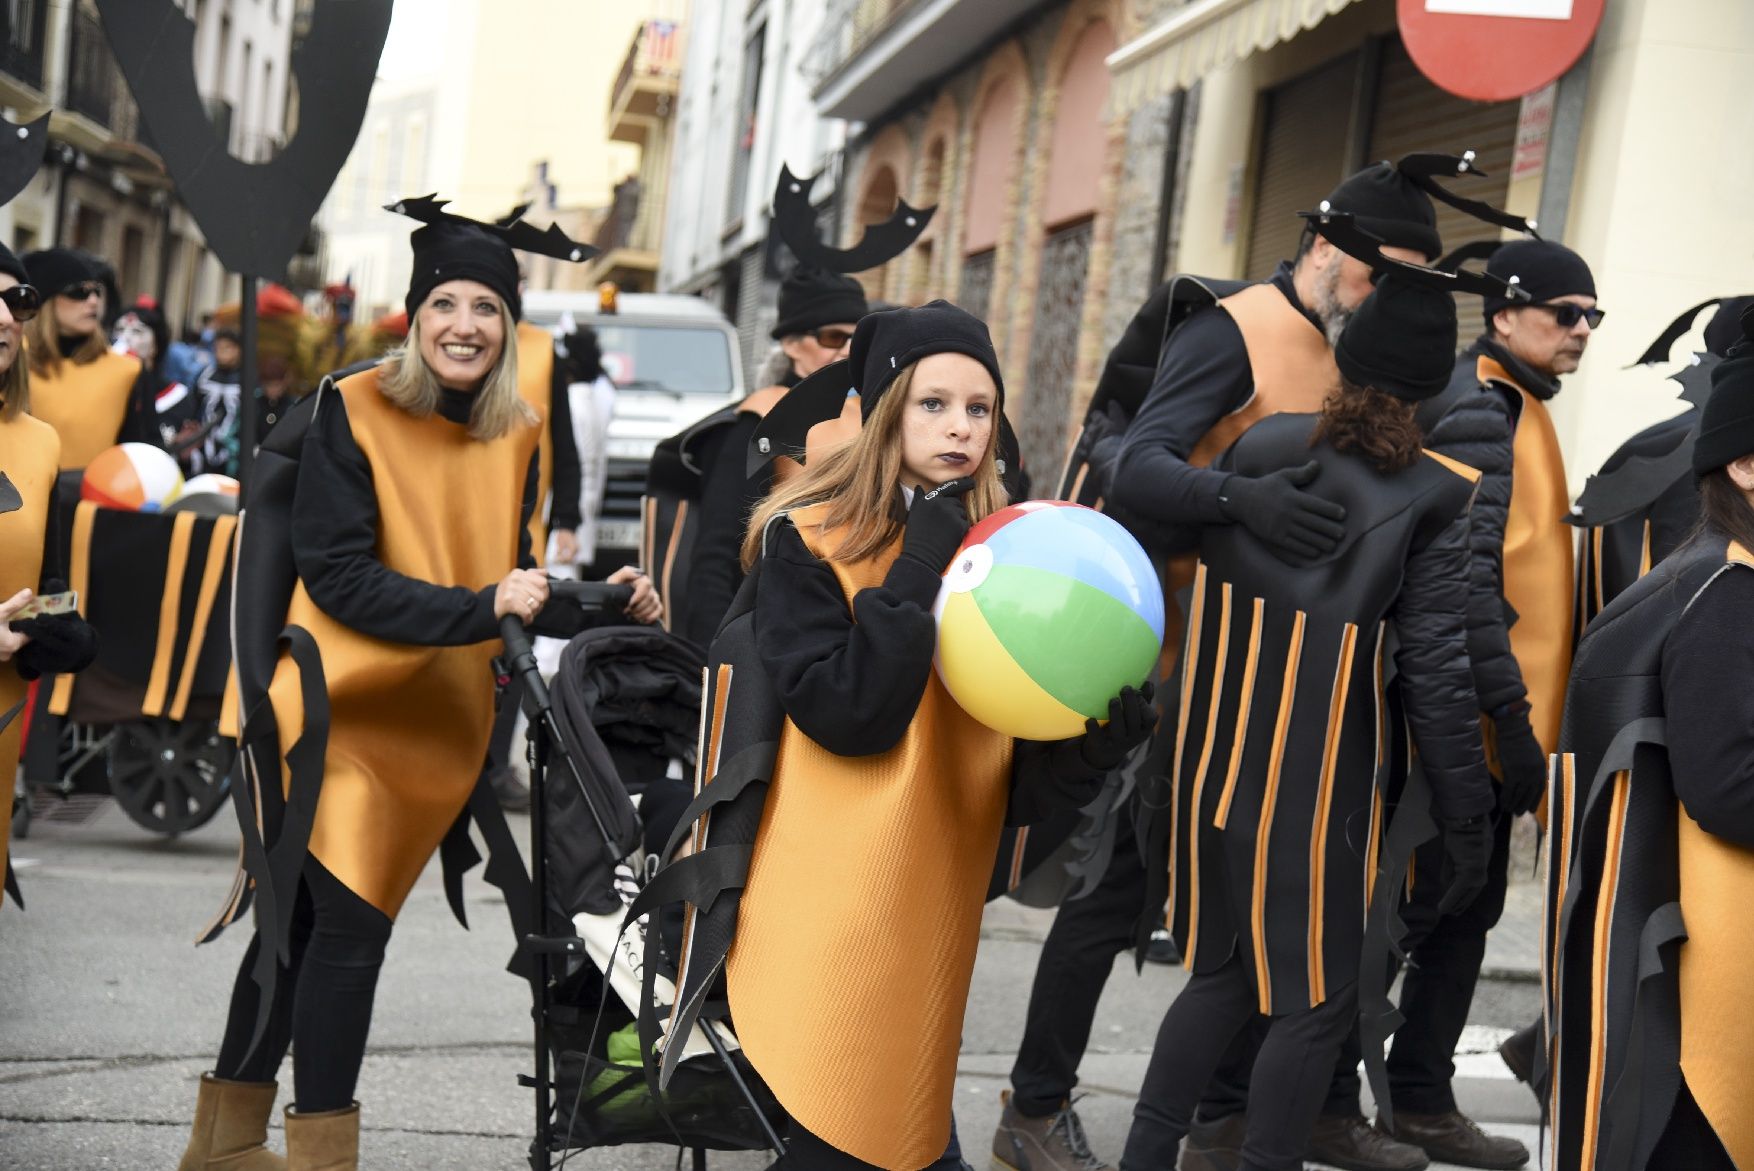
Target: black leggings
[806,1152]
[322,1002]
[1290,1075]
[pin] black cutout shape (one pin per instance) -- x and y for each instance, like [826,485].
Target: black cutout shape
[1340,228]
[1658,351]
[816,399]
[1423,169]
[254,215]
[549,241]
[795,220]
[10,500]
[1474,250]
[21,154]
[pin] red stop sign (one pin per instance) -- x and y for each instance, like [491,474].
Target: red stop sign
[1494,50]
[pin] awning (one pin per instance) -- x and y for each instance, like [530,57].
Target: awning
[1203,36]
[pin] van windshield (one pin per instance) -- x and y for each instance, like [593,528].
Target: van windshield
[666,357]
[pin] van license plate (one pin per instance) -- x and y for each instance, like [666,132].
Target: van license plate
[618,534]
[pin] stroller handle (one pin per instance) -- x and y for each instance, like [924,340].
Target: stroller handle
[591,595]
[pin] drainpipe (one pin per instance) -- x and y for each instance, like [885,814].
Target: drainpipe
[1562,148]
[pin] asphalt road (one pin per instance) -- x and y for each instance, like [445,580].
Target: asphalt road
[108,1016]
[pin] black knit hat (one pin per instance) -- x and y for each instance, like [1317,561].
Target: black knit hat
[811,298]
[12,266]
[1391,207]
[53,269]
[886,343]
[1726,425]
[1542,269]
[461,252]
[1401,340]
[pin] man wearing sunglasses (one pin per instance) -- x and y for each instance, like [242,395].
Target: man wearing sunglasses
[817,312]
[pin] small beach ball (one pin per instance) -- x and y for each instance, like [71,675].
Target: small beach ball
[137,477]
[209,494]
[1046,612]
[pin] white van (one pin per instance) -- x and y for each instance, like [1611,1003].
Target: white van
[674,359]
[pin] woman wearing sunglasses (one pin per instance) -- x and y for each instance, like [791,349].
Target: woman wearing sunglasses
[92,397]
[29,460]
[817,312]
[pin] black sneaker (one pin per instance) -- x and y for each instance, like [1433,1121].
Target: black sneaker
[1162,948]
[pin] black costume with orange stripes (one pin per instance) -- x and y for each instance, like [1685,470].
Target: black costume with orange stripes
[1650,873]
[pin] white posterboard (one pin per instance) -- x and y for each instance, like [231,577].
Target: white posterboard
[1527,9]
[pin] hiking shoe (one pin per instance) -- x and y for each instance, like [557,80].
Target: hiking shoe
[1518,1052]
[1054,1142]
[1353,1144]
[1214,1144]
[1454,1138]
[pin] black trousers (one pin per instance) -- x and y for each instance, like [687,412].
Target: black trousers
[1289,1078]
[806,1152]
[1076,959]
[322,1000]
[1446,953]
[1689,1140]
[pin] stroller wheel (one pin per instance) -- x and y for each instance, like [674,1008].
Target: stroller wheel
[170,776]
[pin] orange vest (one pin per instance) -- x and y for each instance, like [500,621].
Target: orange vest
[856,936]
[30,454]
[86,405]
[409,725]
[1538,552]
[536,388]
[1293,370]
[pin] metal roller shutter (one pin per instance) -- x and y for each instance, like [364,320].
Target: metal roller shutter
[1303,154]
[1410,114]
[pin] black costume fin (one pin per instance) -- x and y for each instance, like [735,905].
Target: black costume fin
[1423,169]
[816,399]
[21,154]
[10,500]
[549,241]
[1340,228]
[254,215]
[795,220]
[1634,485]
[1658,351]
[1472,250]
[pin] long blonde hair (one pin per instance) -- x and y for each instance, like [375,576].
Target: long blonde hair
[858,481]
[15,389]
[42,341]
[406,380]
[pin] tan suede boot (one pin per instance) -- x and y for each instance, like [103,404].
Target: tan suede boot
[323,1142]
[231,1128]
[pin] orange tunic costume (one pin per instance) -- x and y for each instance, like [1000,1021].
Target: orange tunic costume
[86,405]
[409,725]
[849,994]
[29,455]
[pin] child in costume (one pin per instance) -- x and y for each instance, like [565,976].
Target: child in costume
[856,934]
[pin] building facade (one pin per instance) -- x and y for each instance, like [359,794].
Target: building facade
[489,108]
[102,187]
[745,107]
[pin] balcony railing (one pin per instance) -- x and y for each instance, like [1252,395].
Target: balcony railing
[656,52]
[91,71]
[848,27]
[22,24]
[619,227]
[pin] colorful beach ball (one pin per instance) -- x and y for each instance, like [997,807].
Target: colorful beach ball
[1047,611]
[137,477]
[209,494]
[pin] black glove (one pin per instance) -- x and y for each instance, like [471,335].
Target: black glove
[1467,850]
[59,644]
[936,524]
[1298,525]
[1130,720]
[1522,762]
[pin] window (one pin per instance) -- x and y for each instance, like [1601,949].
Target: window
[745,128]
[414,156]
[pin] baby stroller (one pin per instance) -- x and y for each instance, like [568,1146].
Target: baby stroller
[615,740]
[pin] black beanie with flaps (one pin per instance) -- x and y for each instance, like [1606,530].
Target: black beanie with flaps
[1390,207]
[886,343]
[448,251]
[1726,425]
[1401,340]
[1542,269]
[811,298]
